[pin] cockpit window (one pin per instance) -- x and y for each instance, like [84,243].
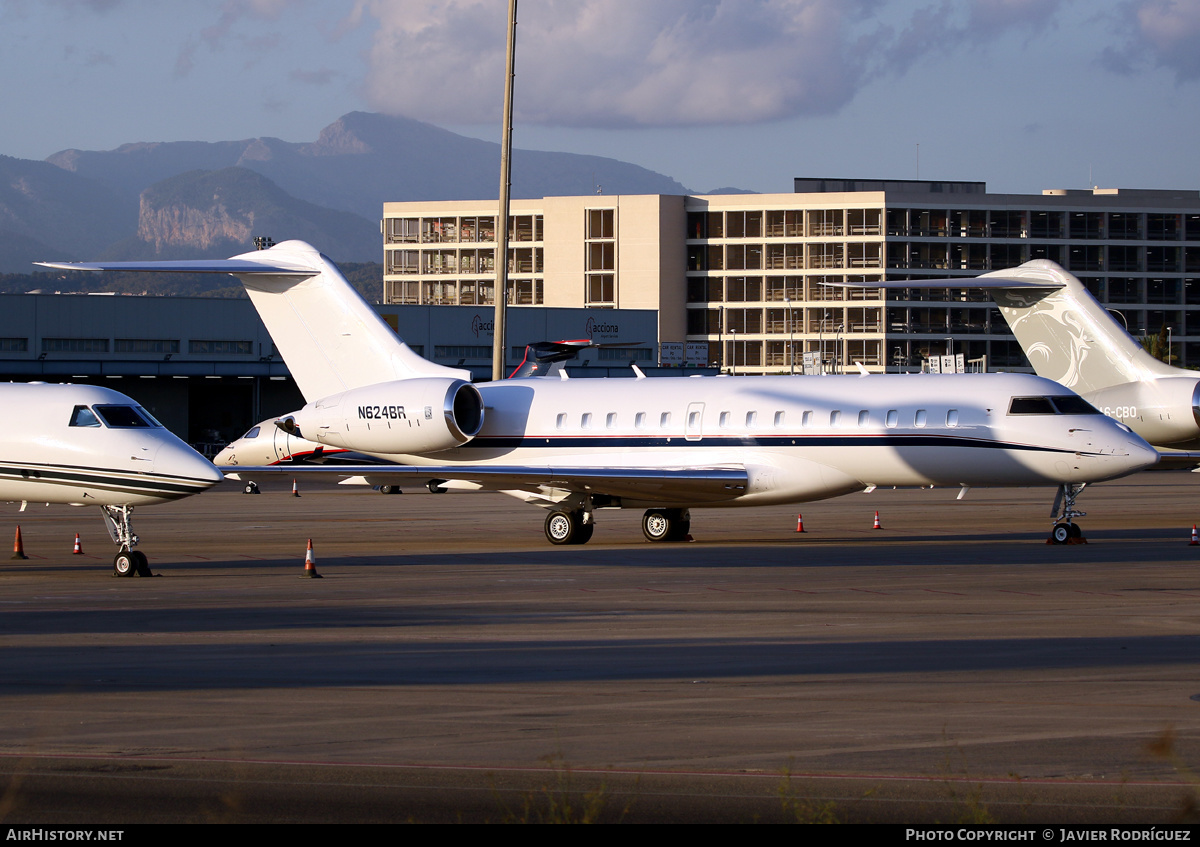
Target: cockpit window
[253,433]
[1031,406]
[1059,404]
[123,417]
[83,416]
[1070,404]
[153,420]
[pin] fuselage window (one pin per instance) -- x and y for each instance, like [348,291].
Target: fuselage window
[83,416]
[586,421]
[639,420]
[952,417]
[611,420]
[122,417]
[664,420]
[864,417]
[835,417]
[561,421]
[779,417]
[693,420]
[806,419]
[751,420]
[893,417]
[920,418]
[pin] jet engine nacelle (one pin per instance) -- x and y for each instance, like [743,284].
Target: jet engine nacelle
[422,415]
[1164,411]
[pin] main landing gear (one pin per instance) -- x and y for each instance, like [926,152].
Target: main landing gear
[666,524]
[1064,512]
[574,527]
[127,562]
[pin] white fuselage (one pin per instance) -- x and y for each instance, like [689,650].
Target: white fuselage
[800,438]
[104,455]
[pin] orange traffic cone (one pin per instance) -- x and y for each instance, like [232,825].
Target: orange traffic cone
[78,551]
[18,547]
[877,526]
[310,564]
[799,523]
[1195,540]
[295,490]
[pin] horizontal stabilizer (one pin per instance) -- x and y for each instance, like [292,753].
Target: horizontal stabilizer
[189,266]
[331,339]
[980,282]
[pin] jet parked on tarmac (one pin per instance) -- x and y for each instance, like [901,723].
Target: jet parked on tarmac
[89,446]
[665,445]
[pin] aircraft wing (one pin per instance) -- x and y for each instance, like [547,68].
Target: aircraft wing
[1173,460]
[974,282]
[668,485]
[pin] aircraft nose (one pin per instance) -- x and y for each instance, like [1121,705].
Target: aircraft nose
[179,460]
[1142,455]
[225,457]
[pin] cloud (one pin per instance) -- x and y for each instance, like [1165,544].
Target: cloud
[98,57]
[231,13]
[321,76]
[1163,33]
[620,63]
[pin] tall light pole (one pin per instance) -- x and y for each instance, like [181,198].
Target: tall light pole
[498,329]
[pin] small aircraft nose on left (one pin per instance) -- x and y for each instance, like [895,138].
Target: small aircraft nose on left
[92,446]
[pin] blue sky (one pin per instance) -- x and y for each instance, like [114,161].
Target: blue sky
[1025,94]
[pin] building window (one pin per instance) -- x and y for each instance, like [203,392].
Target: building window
[625,354]
[74,345]
[462,351]
[14,345]
[403,230]
[220,348]
[145,345]
[601,289]
[601,223]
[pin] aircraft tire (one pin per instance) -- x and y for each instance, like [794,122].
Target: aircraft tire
[389,489]
[657,524]
[125,563]
[1076,531]
[1061,533]
[585,533]
[682,528]
[563,527]
[435,487]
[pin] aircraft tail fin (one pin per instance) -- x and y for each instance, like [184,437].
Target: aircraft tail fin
[1065,332]
[331,339]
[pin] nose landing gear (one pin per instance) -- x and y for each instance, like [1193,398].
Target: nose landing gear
[1064,512]
[127,562]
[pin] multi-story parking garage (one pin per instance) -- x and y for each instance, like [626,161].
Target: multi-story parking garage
[749,274]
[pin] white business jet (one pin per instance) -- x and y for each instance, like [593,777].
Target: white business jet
[1070,338]
[663,445]
[90,446]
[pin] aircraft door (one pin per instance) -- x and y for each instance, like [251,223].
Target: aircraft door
[283,450]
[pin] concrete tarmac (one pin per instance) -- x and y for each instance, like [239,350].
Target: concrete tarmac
[452,665]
